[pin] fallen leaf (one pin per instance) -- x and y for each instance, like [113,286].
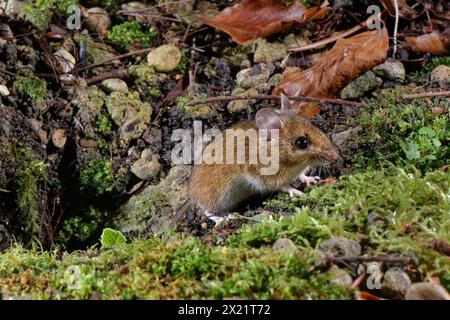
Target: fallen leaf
[251,19]
[364,295]
[427,291]
[403,9]
[435,43]
[348,59]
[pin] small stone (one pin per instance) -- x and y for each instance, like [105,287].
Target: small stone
[98,21]
[36,125]
[4,92]
[364,83]
[164,58]
[59,138]
[147,167]
[440,74]
[238,106]
[133,6]
[252,77]
[267,52]
[284,245]
[88,143]
[395,283]
[65,59]
[340,138]
[427,291]
[245,64]
[114,84]
[392,70]
[340,277]
[338,246]
[175,6]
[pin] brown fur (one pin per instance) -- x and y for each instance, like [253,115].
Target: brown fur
[219,188]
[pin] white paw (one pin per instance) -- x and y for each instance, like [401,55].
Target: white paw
[218,221]
[292,192]
[308,180]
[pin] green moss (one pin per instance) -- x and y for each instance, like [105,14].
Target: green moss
[97,176]
[40,12]
[424,72]
[30,172]
[104,123]
[402,132]
[129,33]
[31,88]
[81,227]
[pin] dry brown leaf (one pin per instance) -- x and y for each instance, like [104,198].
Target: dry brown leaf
[348,59]
[403,9]
[435,43]
[440,246]
[251,19]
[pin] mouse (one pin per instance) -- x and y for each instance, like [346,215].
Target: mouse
[218,188]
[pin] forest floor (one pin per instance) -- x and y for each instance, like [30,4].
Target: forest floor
[88,187]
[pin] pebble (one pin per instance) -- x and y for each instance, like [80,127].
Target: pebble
[59,138]
[392,70]
[284,245]
[395,282]
[147,167]
[339,246]
[252,77]
[65,59]
[4,90]
[114,84]
[427,291]
[164,58]
[241,105]
[440,74]
[364,83]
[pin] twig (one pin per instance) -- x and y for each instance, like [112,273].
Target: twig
[261,97]
[5,191]
[334,38]
[426,94]
[341,259]
[121,73]
[394,38]
[134,53]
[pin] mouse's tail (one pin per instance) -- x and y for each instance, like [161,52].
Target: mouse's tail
[180,213]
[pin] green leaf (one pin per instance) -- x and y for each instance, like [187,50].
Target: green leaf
[427,131]
[436,142]
[112,238]
[412,153]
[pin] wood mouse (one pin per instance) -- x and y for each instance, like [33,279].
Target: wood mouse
[219,188]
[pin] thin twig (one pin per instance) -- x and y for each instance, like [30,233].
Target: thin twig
[270,97]
[101,63]
[120,73]
[403,260]
[323,42]
[5,191]
[394,38]
[426,94]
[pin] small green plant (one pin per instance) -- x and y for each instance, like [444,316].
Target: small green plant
[97,176]
[128,33]
[104,123]
[111,238]
[40,12]
[30,173]
[31,88]
[154,93]
[81,227]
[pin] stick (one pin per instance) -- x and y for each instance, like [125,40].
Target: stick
[135,53]
[269,97]
[404,260]
[332,39]
[5,191]
[121,73]
[426,94]
[394,38]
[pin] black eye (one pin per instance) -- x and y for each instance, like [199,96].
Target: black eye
[302,143]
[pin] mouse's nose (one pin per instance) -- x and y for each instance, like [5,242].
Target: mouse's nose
[332,154]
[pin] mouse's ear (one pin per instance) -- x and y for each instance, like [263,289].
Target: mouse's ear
[285,103]
[268,118]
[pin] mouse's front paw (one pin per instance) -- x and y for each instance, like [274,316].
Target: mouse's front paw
[308,180]
[292,191]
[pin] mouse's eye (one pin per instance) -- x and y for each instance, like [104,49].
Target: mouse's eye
[302,143]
